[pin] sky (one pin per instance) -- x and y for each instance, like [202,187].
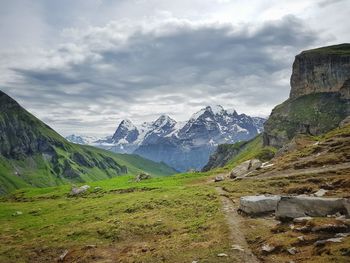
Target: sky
[82,66]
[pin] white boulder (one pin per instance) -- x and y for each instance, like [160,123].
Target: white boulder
[259,204]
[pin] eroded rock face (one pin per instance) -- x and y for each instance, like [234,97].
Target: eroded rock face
[319,97]
[290,207]
[320,70]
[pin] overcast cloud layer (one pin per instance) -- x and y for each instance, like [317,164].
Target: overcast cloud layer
[82,66]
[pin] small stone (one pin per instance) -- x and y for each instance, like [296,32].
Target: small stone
[17,213]
[268,248]
[342,235]
[219,178]
[301,238]
[302,219]
[194,261]
[222,255]
[320,193]
[63,255]
[292,250]
[237,247]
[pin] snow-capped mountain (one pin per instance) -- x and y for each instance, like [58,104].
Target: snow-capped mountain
[183,145]
[80,139]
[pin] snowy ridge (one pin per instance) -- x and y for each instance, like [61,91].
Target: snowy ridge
[182,145]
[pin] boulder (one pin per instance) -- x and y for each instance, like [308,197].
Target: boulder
[79,190]
[245,168]
[290,207]
[142,176]
[258,204]
[219,178]
[320,193]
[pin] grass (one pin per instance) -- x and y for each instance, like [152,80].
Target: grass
[168,219]
[341,49]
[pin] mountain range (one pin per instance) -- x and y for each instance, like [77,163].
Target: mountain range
[33,154]
[181,145]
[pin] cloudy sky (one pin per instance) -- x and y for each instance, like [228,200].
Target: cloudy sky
[84,65]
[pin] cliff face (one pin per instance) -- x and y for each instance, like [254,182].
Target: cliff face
[319,98]
[320,70]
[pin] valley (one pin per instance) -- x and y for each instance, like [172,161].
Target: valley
[280,193]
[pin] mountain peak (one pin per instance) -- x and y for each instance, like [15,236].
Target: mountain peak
[126,123]
[163,120]
[216,110]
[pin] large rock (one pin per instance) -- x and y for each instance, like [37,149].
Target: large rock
[79,190]
[259,204]
[142,176]
[300,206]
[245,168]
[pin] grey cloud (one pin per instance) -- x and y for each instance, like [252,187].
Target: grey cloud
[325,3]
[165,67]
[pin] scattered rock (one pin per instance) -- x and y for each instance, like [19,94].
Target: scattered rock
[79,190]
[330,240]
[17,213]
[290,207]
[63,256]
[243,169]
[258,204]
[222,255]
[142,176]
[97,188]
[342,235]
[302,219]
[237,247]
[267,165]
[301,238]
[320,193]
[292,250]
[267,248]
[219,178]
[330,228]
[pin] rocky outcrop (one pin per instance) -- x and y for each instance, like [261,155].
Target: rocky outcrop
[245,168]
[258,204]
[319,98]
[321,70]
[300,206]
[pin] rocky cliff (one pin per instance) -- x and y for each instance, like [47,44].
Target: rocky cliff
[319,98]
[321,70]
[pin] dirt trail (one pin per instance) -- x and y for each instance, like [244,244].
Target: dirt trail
[235,221]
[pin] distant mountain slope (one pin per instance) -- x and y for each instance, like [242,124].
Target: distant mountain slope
[32,154]
[183,145]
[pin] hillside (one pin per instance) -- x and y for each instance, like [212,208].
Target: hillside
[32,154]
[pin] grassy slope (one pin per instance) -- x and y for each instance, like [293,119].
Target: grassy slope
[322,112]
[22,130]
[36,171]
[165,219]
[331,148]
[341,49]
